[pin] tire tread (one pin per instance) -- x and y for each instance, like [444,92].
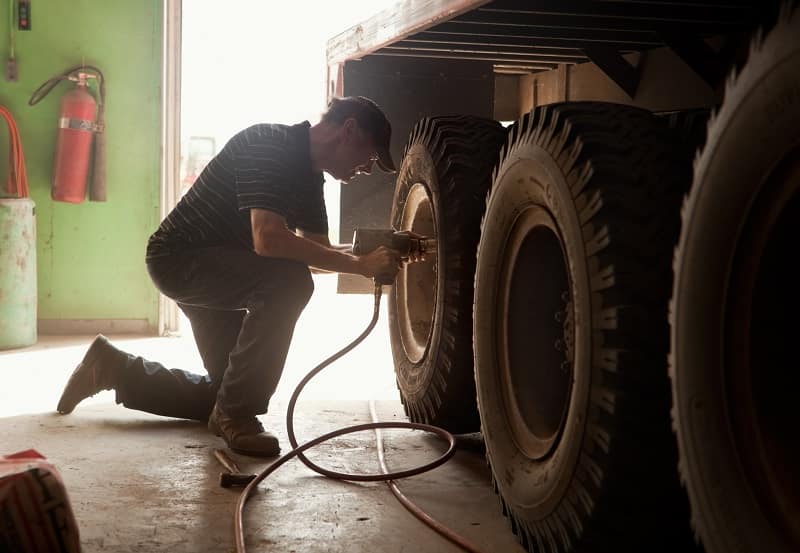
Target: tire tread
[464,150]
[627,174]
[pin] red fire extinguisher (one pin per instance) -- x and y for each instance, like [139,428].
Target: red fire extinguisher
[74,143]
[80,126]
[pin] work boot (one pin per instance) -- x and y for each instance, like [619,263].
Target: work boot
[243,435]
[93,374]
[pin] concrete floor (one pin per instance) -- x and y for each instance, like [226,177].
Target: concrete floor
[142,483]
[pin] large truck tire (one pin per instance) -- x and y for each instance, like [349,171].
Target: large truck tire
[440,192]
[691,126]
[736,299]
[571,336]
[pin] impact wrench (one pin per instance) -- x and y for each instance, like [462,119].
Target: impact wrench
[386,476]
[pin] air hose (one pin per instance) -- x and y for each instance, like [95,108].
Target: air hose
[385,476]
[17,182]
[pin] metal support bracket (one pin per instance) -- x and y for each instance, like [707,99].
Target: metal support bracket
[698,55]
[617,68]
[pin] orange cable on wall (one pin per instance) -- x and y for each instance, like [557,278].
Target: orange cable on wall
[17,181]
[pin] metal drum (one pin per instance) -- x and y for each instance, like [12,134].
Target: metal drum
[18,288]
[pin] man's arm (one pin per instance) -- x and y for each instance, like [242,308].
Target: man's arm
[272,238]
[323,239]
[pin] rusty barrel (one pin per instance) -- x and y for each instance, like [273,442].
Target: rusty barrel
[18,288]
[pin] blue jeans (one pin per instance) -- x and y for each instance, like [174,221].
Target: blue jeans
[243,309]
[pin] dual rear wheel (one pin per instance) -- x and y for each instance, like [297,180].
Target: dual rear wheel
[570,252]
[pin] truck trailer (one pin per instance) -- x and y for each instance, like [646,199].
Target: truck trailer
[612,186]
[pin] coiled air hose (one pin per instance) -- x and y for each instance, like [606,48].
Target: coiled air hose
[385,476]
[17,182]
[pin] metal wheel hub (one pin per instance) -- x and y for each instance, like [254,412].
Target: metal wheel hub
[536,333]
[416,284]
[759,349]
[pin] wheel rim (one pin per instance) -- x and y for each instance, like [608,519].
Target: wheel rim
[536,330]
[416,282]
[759,349]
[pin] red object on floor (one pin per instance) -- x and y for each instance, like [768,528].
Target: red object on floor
[35,513]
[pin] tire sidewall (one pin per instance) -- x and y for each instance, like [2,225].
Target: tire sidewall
[529,176]
[756,128]
[415,378]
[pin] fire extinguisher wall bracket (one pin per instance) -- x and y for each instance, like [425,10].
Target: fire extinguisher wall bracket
[97,190]
[81,126]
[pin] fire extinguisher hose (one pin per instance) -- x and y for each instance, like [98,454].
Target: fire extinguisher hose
[17,182]
[97,190]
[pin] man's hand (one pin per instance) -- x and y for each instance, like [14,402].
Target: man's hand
[272,238]
[382,262]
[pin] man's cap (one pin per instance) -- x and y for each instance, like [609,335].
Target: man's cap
[371,118]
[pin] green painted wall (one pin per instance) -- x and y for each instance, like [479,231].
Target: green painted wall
[91,255]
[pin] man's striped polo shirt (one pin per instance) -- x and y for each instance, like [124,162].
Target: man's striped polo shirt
[266,166]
